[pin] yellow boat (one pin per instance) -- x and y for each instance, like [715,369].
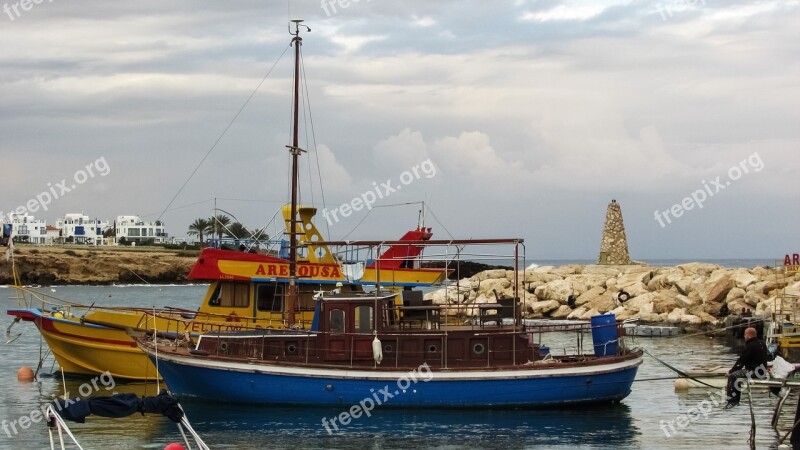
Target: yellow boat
[246,290]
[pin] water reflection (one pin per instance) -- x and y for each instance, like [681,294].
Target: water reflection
[601,425]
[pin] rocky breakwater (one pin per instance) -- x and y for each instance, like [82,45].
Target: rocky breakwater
[695,295]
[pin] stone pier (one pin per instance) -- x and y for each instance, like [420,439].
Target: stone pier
[614,246]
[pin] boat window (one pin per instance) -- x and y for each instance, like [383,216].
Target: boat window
[214,300]
[363,319]
[270,297]
[337,321]
[231,295]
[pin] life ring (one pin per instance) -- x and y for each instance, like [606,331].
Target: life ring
[623,296]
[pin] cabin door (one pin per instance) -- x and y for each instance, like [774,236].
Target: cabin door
[337,341]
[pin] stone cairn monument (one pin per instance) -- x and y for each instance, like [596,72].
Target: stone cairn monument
[614,246]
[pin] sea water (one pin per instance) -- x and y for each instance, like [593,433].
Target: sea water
[642,420]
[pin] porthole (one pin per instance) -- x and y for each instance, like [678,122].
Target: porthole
[388,348]
[223,346]
[433,348]
[478,348]
[291,348]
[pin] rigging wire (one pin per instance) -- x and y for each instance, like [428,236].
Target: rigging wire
[236,116]
[306,112]
[370,211]
[428,208]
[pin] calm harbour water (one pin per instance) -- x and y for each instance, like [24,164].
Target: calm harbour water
[633,424]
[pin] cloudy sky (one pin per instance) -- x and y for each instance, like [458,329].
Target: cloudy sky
[533,113]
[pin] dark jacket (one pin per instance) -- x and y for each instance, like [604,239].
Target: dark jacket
[754,354]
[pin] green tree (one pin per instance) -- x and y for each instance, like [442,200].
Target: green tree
[200,228]
[218,224]
[237,231]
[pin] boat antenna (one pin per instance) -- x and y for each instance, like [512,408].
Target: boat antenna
[295,150]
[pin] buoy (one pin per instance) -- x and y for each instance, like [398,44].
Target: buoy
[681,384]
[174,446]
[58,315]
[25,374]
[377,350]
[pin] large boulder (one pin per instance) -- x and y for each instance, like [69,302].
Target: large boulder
[684,301]
[607,271]
[562,312]
[558,290]
[665,301]
[635,304]
[588,280]
[494,284]
[691,319]
[685,284]
[589,314]
[659,282]
[628,279]
[532,276]
[602,303]
[702,269]
[591,294]
[544,307]
[491,274]
[716,288]
[753,298]
[794,289]
[743,278]
[734,294]
[577,313]
[450,294]
[767,286]
[564,271]
[676,315]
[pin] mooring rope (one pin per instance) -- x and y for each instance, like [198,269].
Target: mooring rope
[676,370]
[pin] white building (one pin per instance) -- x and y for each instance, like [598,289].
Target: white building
[24,228]
[133,229]
[80,229]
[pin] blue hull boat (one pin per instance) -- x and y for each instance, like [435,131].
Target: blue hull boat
[606,380]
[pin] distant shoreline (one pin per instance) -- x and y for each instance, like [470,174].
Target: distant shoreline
[97,265]
[68,265]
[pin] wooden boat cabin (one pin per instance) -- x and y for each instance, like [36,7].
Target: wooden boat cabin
[373,331]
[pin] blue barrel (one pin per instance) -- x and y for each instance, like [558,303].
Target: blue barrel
[604,335]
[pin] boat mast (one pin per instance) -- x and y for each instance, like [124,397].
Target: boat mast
[295,150]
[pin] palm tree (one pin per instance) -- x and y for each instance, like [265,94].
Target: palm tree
[200,228]
[218,224]
[237,231]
